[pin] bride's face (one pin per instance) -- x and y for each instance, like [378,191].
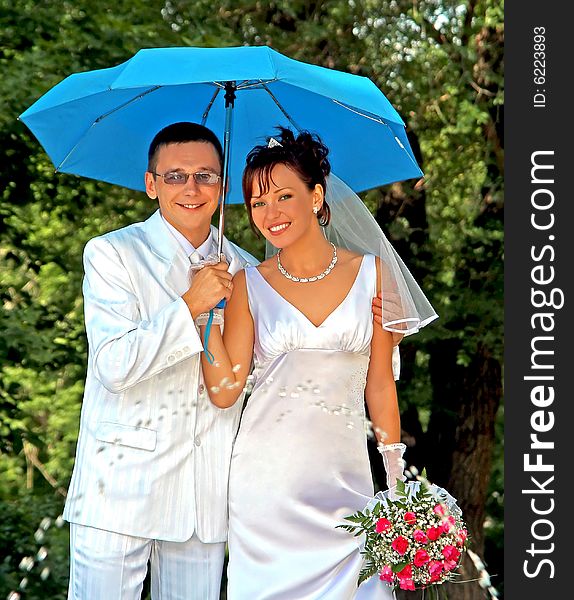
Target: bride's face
[284,212]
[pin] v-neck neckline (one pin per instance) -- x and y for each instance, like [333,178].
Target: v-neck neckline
[300,312]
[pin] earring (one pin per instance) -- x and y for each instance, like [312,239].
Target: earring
[315,209]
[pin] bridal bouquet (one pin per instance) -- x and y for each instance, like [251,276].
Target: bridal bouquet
[413,541]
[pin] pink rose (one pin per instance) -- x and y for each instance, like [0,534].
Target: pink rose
[420,536]
[407,584]
[421,558]
[410,518]
[406,573]
[461,537]
[447,524]
[433,533]
[400,544]
[383,525]
[435,568]
[450,552]
[387,574]
[449,565]
[438,509]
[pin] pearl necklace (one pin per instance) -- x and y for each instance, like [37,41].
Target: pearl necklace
[308,279]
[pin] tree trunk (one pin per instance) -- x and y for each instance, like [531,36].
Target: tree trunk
[472,459]
[458,446]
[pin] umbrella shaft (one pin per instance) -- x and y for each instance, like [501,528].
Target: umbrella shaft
[225,183]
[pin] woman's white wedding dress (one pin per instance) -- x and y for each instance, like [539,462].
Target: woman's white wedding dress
[300,462]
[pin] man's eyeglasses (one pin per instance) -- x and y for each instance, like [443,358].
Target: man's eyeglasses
[180,178]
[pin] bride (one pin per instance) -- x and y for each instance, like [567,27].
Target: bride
[303,316]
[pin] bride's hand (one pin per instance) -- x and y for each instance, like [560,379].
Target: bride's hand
[377,308]
[393,307]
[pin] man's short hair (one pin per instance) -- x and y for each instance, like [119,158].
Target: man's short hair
[181,133]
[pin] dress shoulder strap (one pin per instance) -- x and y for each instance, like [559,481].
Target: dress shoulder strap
[257,290]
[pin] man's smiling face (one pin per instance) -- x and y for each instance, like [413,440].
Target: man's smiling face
[188,207]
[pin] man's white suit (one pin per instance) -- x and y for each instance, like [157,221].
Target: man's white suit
[153,452]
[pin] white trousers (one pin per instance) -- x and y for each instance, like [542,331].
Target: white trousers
[111,566]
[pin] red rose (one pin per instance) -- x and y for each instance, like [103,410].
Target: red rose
[406,573]
[387,574]
[410,518]
[433,533]
[421,558]
[420,536]
[450,552]
[383,525]
[400,544]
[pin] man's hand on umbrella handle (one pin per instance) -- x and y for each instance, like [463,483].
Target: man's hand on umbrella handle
[209,286]
[377,308]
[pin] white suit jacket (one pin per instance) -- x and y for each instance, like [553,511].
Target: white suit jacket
[153,452]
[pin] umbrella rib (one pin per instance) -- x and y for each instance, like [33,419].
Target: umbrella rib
[138,97]
[258,83]
[358,112]
[101,118]
[208,107]
[382,122]
[287,115]
[403,148]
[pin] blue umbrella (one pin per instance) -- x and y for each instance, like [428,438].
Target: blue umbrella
[99,124]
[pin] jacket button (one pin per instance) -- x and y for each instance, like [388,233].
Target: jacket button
[201,388]
[197,441]
[170,358]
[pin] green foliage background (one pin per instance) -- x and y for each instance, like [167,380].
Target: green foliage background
[438,61]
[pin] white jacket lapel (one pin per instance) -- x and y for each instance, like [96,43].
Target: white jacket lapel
[162,243]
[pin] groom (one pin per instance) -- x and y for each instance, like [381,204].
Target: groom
[150,478]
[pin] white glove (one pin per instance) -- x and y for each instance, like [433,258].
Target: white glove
[202,318]
[394,464]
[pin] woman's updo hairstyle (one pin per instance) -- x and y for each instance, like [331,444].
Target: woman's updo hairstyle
[305,154]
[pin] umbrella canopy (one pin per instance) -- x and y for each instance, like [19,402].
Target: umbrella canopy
[99,124]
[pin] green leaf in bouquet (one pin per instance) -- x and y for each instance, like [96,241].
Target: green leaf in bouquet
[424,474]
[425,490]
[356,518]
[398,567]
[367,571]
[401,488]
